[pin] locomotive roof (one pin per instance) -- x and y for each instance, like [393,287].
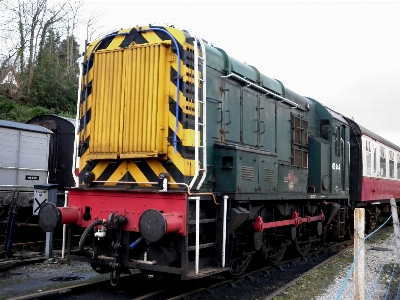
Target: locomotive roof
[219,60]
[337,116]
[22,126]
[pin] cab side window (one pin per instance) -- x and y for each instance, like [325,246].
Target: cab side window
[337,140]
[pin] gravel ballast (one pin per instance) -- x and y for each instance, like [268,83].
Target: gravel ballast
[325,282]
[376,254]
[44,276]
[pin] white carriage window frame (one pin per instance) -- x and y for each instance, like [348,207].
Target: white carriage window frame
[391,164]
[398,165]
[382,161]
[368,156]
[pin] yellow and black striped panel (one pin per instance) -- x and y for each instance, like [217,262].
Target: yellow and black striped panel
[130,101]
[128,114]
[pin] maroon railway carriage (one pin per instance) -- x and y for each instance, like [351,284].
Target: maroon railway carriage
[374,172]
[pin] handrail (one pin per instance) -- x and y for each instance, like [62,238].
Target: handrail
[198,103]
[249,83]
[204,121]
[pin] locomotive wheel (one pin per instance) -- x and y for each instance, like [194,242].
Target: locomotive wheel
[303,248]
[276,255]
[239,265]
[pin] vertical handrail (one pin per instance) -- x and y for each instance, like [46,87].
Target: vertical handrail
[197,250]
[197,104]
[204,119]
[76,158]
[224,230]
[196,113]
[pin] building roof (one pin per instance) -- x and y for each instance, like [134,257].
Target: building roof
[9,76]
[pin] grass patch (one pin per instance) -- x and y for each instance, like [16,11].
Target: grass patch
[314,283]
[317,281]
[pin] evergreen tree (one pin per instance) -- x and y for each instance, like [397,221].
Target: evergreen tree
[55,79]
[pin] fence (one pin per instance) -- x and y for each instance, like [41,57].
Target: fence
[386,284]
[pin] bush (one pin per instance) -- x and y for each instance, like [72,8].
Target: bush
[19,112]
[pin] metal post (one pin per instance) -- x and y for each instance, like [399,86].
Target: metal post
[42,194]
[197,235]
[395,225]
[64,227]
[224,231]
[359,275]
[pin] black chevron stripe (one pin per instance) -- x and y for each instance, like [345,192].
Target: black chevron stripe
[172,170]
[147,171]
[83,146]
[105,43]
[186,88]
[133,36]
[88,117]
[127,177]
[172,104]
[88,166]
[165,37]
[185,151]
[109,170]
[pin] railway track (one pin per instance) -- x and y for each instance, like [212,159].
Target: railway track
[267,281]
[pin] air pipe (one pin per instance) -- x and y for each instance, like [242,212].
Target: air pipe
[174,141]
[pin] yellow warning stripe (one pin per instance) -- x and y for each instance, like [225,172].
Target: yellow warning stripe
[158,168]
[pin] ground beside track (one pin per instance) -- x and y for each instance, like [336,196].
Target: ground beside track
[43,276]
[324,282]
[38,277]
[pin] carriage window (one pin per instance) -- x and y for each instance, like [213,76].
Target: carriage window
[391,164]
[382,161]
[368,156]
[398,166]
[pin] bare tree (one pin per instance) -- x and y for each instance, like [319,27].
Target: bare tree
[33,18]
[72,21]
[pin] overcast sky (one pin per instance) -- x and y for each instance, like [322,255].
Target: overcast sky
[345,54]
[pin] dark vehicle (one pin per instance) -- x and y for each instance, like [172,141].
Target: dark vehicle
[32,154]
[62,145]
